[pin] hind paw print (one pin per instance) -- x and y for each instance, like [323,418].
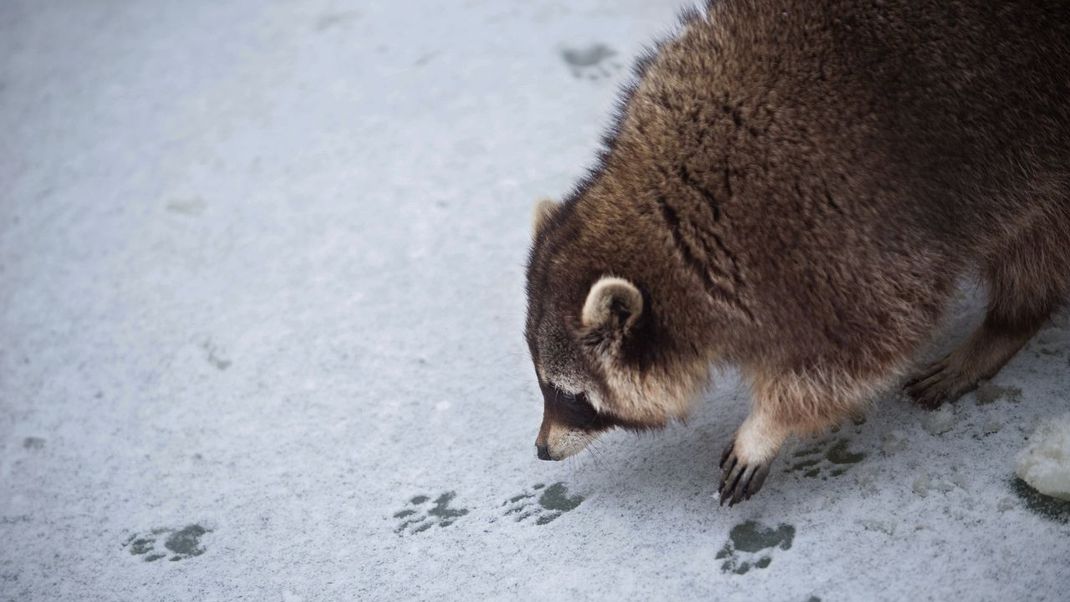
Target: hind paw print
[751,544]
[826,457]
[418,517]
[544,504]
[592,62]
[180,544]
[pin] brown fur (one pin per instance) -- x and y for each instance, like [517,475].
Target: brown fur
[794,187]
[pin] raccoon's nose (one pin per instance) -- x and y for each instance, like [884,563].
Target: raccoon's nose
[543,452]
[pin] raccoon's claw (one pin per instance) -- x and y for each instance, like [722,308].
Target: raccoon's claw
[727,452]
[739,481]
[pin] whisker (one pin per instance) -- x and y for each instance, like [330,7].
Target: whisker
[594,443]
[570,465]
[594,453]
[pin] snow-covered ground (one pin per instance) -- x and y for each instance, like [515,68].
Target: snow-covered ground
[261,270]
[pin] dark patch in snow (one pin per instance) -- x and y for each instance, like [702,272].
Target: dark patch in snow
[190,207]
[1038,503]
[750,545]
[592,62]
[553,502]
[423,60]
[214,356]
[989,393]
[329,20]
[11,520]
[33,443]
[838,454]
[832,458]
[418,518]
[181,543]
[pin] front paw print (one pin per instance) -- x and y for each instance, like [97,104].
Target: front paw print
[418,517]
[552,502]
[739,479]
[831,457]
[179,543]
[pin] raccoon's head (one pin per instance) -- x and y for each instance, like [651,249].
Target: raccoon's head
[603,355]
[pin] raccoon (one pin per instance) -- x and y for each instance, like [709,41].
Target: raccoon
[793,188]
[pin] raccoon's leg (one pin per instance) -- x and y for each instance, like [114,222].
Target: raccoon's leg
[1027,282]
[785,403]
[745,462]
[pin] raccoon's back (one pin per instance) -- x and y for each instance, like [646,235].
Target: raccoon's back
[840,156]
[929,116]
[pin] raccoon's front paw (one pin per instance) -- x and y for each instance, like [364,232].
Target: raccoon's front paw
[740,479]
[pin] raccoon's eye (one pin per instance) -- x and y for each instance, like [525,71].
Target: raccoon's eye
[574,398]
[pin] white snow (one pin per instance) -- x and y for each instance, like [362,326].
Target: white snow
[261,300]
[1045,462]
[895,441]
[939,421]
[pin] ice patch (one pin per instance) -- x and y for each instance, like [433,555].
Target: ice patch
[1045,463]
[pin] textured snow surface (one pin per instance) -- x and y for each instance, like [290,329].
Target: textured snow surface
[261,303]
[1045,463]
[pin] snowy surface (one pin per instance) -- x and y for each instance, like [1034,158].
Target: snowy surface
[261,269]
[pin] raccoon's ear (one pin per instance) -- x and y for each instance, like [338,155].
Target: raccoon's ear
[614,303]
[542,213]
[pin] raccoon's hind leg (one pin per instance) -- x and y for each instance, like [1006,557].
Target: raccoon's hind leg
[1027,281]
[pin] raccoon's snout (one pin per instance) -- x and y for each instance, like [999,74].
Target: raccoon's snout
[543,452]
[558,443]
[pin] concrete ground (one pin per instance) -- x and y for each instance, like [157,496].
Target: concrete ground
[261,302]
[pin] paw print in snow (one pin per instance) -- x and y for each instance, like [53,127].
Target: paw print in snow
[551,503]
[418,518]
[214,356]
[833,458]
[750,545]
[593,62]
[179,544]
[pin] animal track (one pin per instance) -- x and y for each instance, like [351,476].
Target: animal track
[418,518]
[180,544]
[551,503]
[989,393]
[750,545]
[190,207]
[331,20]
[212,354]
[825,457]
[592,62]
